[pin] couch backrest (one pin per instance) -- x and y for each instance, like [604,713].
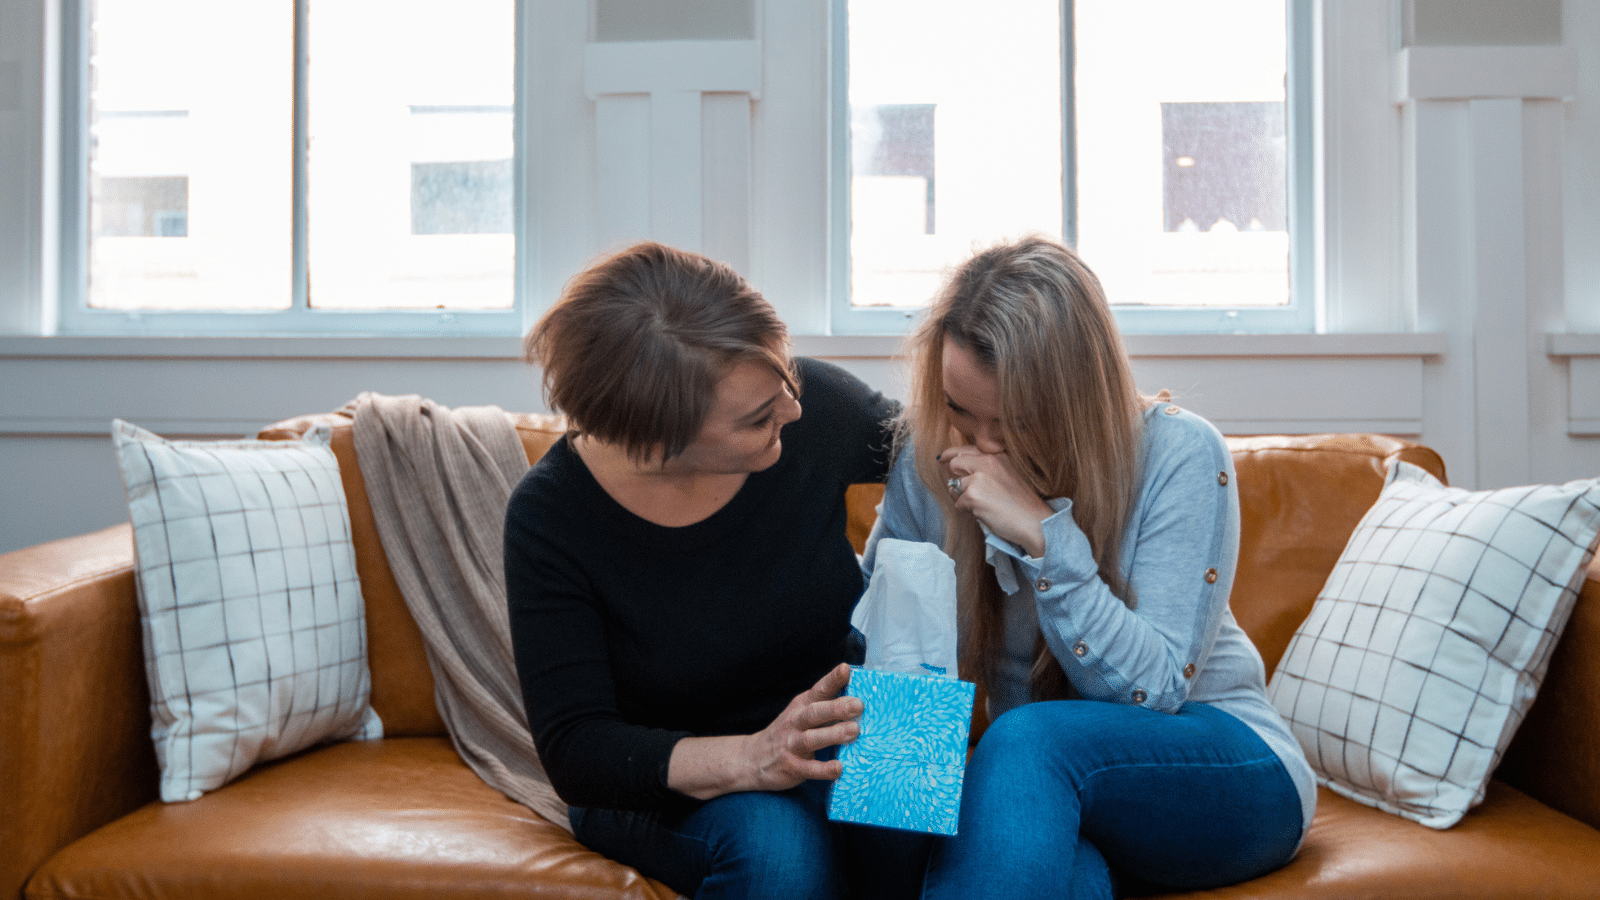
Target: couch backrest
[1300,496]
[402,683]
[1300,499]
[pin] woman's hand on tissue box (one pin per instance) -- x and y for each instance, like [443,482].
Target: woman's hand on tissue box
[777,757]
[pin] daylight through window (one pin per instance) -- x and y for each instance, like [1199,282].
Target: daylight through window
[398,196]
[1174,180]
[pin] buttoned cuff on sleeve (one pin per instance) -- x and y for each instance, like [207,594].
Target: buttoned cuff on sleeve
[1068,556]
[1082,621]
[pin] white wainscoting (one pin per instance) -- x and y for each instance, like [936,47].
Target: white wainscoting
[1581,354]
[672,137]
[1481,241]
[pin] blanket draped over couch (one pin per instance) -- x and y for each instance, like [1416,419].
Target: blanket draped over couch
[438,480]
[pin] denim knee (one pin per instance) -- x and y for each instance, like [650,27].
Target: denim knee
[1021,735]
[770,846]
[745,845]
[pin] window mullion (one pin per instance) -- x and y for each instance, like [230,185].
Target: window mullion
[1300,98]
[1069,133]
[73,281]
[300,148]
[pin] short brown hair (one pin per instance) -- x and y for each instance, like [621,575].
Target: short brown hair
[633,349]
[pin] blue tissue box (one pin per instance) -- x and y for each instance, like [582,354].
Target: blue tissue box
[905,769]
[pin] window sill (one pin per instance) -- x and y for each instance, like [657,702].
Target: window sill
[1254,345]
[74,385]
[828,346]
[313,347]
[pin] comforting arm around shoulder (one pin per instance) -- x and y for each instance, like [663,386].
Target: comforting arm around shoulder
[857,421]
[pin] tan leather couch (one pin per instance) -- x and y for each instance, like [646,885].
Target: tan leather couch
[404,818]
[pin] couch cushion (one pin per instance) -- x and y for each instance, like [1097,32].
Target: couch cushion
[392,819]
[1423,653]
[1511,846]
[254,626]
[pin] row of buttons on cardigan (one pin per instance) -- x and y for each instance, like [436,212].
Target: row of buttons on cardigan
[1043,584]
[1082,649]
[1139,696]
[1222,477]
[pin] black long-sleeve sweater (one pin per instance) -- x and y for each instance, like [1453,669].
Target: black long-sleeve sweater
[630,636]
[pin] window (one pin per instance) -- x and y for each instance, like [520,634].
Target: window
[1168,144]
[291,167]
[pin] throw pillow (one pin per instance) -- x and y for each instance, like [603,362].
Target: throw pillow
[254,627]
[1430,639]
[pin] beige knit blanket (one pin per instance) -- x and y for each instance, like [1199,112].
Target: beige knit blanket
[439,480]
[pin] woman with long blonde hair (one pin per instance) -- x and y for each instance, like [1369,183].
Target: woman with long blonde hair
[1095,533]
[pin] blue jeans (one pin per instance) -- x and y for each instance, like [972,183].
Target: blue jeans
[760,845]
[1082,799]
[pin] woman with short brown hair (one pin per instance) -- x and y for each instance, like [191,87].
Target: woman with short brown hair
[634,349]
[680,584]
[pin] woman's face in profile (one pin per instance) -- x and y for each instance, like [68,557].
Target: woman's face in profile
[972,394]
[740,434]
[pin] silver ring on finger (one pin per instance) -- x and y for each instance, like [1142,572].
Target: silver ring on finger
[955,487]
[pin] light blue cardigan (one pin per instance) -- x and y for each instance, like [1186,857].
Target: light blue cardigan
[1181,644]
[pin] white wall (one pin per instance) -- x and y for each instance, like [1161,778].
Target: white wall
[1460,209]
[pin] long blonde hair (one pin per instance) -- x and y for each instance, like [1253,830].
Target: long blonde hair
[1037,317]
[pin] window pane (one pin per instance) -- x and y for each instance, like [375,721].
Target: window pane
[955,136]
[410,166]
[190,113]
[1182,151]
[141,206]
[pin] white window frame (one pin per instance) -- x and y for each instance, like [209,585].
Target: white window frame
[1299,315]
[77,317]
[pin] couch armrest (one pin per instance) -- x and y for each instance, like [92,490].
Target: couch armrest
[75,749]
[1555,756]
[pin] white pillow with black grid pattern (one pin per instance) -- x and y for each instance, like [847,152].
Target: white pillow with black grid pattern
[1430,639]
[254,626]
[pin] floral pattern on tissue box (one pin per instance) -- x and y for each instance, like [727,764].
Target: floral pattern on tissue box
[904,770]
